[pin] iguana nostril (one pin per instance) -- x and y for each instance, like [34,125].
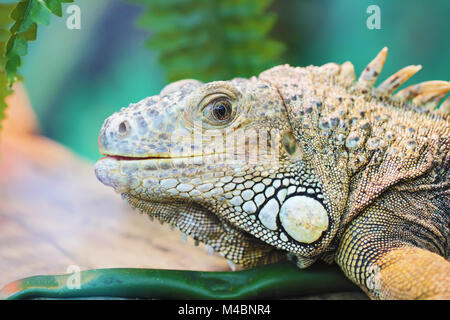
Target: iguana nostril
[124,128]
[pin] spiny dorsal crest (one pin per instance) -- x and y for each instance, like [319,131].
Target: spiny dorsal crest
[349,127]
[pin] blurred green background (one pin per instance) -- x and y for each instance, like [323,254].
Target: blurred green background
[76,78]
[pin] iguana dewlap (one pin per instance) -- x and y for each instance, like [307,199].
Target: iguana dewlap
[304,163]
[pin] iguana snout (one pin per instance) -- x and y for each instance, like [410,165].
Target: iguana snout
[149,127]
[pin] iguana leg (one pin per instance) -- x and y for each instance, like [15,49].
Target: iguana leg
[375,255]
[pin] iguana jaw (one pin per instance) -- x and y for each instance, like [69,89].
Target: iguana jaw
[202,225]
[198,219]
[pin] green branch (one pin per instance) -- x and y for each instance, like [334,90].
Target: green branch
[266,282]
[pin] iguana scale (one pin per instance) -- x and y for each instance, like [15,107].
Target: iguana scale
[298,163]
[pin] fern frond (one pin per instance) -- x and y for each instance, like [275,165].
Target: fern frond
[5,22]
[27,15]
[211,39]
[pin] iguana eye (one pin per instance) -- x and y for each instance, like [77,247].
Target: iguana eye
[219,111]
[222,110]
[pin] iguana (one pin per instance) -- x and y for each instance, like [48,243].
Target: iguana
[300,164]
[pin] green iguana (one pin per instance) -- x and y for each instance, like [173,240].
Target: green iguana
[300,164]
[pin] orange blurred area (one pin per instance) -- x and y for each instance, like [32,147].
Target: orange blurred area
[20,119]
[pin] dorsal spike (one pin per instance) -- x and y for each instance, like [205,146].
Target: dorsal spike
[445,107]
[397,79]
[428,87]
[429,101]
[370,74]
[333,67]
[347,74]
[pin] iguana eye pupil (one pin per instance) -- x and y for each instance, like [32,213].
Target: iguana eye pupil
[222,110]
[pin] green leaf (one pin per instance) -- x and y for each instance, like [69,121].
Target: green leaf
[211,39]
[55,6]
[5,22]
[26,15]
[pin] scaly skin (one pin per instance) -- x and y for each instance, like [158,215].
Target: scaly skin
[299,163]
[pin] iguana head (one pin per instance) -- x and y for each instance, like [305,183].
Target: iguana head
[218,161]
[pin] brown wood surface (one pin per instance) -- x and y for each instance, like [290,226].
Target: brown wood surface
[55,213]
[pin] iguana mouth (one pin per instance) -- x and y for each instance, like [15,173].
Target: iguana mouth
[125,158]
[158,157]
